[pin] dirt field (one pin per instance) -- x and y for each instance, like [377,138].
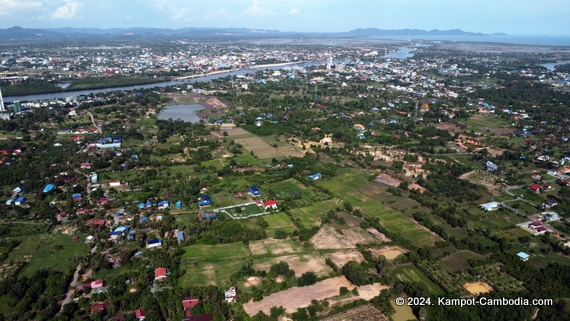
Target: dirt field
[370,291]
[251,281]
[389,252]
[294,298]
[298,263]
[273,246]
[387,180]
[478,288]
[356,235]
[379,236]
[259,147]
[416,186]
[484,178]
[495,152]
[349,219]
[341,258]
[365,312]
[328,238]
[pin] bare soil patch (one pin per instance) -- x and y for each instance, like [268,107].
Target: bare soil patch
[259,147]
[294,298]
[502,131]
[387,180]
[365,312]
[328,238]
[273,246]
[416,186]
[341,258]
[495,152]
[356,235]
[379,236]
[349,219]
[251,281]
[484,178]
[298,263]
[389,252]
[237,131]
[368,292]
[478,288]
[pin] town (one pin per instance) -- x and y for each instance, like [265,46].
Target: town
[295,181]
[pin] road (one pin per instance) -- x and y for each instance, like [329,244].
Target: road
[93,121]
[74,282]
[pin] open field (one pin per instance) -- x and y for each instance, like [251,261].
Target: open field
[312,215]
[459,260]
[356,235]
[379,236]
[343,257]
[261,148]
[300,263]
[403,313]
[411,273]
[273,247]
[476,288]
[279,221]
[49,251]
[215,252]
[349,219]
[295,297]
[328,238]
[389,252]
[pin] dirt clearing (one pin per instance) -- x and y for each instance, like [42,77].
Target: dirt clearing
[294,298]
[389,252]
[341,258]
[272,246]
[356,235]
[298,263]
[379,236]
[478,288]
[328,238]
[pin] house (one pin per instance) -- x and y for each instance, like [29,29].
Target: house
[551,216]
[359,127]
[491,167]
[144,219]
[96,284]
[270,204]
[98,306]
[188,304]
[546,187]
[254,191]
[360,136]
[230,294]
[535,188]
[20,200]
[536,176]
[48,188]
[163,205]
[139,314]
[153,243]
[115,183]
[180,236]
[159,274]
[492,206]
[550,203]
[316,176]
[86,165]
[205,201]
[523,256]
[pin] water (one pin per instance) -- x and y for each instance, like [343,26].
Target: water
[159,84]
[185,112]
[551,66]
[402,53]
[510,39]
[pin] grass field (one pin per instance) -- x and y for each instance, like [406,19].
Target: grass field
[411,273]
[221,252]
[49,251]
[459,260]
[311,215]
[278,221]
[403,313]
[287,188]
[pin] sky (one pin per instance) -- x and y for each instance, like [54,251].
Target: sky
[514,17]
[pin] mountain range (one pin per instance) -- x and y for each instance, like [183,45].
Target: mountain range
[19,33]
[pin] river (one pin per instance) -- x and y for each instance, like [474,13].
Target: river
[401,53]
[551,66]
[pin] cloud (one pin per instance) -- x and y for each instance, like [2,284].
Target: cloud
[257,10]
[294,11]
[67,11]
[7,7]
[221,13]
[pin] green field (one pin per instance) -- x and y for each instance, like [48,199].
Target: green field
[278,221]
[212,264]
[459,260]
[49,251]
[245,210]
[287,189]
[411,273]
[403,313]
[311,215]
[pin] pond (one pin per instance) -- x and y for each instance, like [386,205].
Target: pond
[184,112]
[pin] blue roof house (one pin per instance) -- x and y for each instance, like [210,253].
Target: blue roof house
[254,191]
[360,136]
[180,236]
[20,200]
[178,204]
[315,176]
[144,219]
[523,256]
[48,188]
[206,201]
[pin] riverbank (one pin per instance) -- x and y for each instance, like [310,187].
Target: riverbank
[217,72]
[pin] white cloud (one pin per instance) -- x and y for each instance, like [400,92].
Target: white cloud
[67,11]
[294,11]
[7,7]
[257,10]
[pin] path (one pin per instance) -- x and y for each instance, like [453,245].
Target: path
[73,283]
[93,121]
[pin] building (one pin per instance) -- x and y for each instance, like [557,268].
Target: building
[163,205]
[316,176]
[160,273]
[230,294]
[523,256]
[20,200]
[491,167]
[271,204]
[551,216]
[359,127]
[254,191]
[492,206]
[153,243]
[48,188]
[139,314]
[180,236]
[205,201]
[535,188]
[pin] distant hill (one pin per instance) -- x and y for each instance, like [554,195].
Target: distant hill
[19,33]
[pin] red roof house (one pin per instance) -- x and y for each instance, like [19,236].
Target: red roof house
[139,314]
[270,204]
[535,188]
[98,306]
[160,274]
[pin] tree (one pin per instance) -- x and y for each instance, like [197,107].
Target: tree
[355,273]
[308,278]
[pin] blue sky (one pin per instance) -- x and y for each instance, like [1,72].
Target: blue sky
[515,17]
